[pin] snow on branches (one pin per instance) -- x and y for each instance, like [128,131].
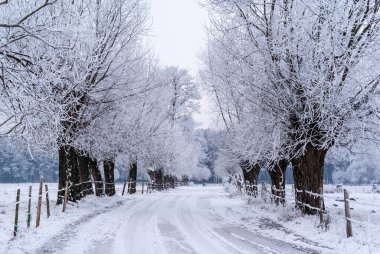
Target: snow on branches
[77,77]
[306,72]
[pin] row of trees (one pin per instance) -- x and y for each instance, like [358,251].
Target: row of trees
[293,79]
[77,77]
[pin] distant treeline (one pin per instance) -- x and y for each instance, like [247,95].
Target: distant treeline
[21,167]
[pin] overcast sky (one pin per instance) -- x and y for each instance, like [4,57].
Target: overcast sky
[178,35]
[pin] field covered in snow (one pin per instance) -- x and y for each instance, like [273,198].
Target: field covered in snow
[29,240]
[289,224]
[193,219]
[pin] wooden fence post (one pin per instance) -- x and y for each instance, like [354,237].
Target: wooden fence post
[65,197]
[320,206]
[16,215]
[125,183]
[142,188]
[39,203]
[29,215]
[347,214]
[47,201]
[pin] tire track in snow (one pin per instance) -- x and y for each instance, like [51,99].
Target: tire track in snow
[222,238]
[140,232]
[198,229]
[178,221]
[62,240]
[152,229]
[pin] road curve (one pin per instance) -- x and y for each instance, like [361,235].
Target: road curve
[181,222]
[173,222]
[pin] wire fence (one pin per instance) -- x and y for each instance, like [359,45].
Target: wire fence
[277,196]
[63,193]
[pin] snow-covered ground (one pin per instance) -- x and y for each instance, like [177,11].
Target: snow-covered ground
[290,225]
[185,220]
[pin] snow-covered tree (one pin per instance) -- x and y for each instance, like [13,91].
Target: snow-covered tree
[26,30]
[79,59]
[308,71]
[210,145]
[175,152]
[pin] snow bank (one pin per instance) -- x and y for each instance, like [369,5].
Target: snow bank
[30,240]
[290,225]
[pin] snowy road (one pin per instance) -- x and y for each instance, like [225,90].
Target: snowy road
[177,221]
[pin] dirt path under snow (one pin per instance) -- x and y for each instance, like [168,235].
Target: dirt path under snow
[178,221]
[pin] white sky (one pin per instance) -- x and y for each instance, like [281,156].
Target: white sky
[178,35]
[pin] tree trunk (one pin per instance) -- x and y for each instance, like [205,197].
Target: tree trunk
[74,192]
[109,178]
[172,180]
[251,175]
[97,176]
[68,171]
[156,176]
[185,180]
[277,176]
[85,174]
[169,181]
[62,176]
[308,177]
[132,178]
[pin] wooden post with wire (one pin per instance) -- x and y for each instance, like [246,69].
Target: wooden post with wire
[65,197]
[47,201]
[125,183]
[16,215]
[39,203]
[29,215]
[347,214]
[142,188]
